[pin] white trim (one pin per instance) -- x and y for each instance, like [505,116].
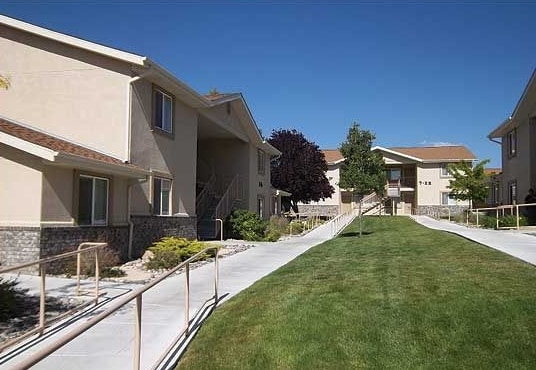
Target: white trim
[396,153]
[26,146]
[73,41]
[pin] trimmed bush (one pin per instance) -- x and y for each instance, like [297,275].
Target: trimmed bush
[168,252]
[247,225]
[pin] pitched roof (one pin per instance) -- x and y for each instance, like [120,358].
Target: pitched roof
[492,171]
[437,153]
[332,155]
[55,144]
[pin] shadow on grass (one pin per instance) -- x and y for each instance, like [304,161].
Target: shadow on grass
[352,234]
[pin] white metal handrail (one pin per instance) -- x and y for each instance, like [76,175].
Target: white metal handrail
[82,248]
[134,295]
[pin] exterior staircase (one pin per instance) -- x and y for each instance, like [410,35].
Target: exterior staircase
[213,205]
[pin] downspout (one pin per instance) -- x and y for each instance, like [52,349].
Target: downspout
[127,160]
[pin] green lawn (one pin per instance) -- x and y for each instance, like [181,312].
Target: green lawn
[400,297]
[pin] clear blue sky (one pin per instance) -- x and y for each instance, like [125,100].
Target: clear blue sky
[413,74]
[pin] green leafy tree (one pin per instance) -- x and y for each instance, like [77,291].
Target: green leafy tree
[469,182]
[363,171]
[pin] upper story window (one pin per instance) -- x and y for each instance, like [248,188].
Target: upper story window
[261,161]
[92,200]
[162,110]
[161,196]
[511,143]
[445,170]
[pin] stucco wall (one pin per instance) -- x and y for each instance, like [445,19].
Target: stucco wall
[66,91]
[169,154]
[517,168]
[20,197]
[57,195]
[430,184]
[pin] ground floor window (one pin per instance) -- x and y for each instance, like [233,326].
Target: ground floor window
[161,196]
[512,192]
[260,206]
[447,200]
[92,200]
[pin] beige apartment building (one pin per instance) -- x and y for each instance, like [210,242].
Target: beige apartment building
[98,144]
[417,181]
[517,138]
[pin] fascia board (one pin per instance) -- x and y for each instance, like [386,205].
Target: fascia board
[269,148]
[199,100]
[499,131]
[99,166]
[380,148]
[25,146]
[73,41]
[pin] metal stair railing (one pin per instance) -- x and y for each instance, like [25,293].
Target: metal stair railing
[225,206]
[203,199]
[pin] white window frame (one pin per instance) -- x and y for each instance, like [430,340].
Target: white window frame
[260,206]
[93,220]
[158,211]
[163,124]
[512,192]
[450,201]
[444,170]
[511,143]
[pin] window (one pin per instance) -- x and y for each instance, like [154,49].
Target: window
[261,161]
[511,142]
[394,174]
[445,170]
[161,196]
[260,206]
[447,200]
[512,192]
[92,200]
[162,111]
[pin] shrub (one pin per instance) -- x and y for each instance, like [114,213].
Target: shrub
[277,226]
[247,225]
[295,227]
[488,222]
[510,221]
[168,252]
[11,298]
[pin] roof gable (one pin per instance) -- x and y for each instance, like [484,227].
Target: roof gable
[333,156]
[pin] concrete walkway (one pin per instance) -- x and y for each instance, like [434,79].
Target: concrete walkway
[110,343]
[515,243]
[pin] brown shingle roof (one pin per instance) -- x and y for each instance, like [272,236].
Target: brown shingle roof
[426,153]
[332,155]
[492,171]
[56,144]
